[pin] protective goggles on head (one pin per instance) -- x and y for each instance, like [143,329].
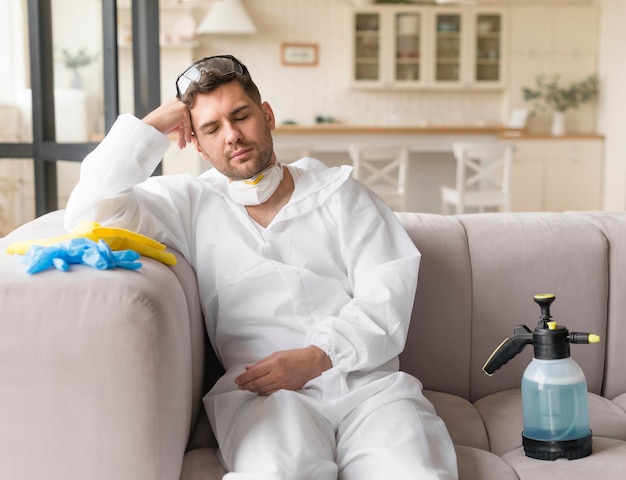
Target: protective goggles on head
[227,65]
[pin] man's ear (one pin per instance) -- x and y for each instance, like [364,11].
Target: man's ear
[269,115]
[194,139]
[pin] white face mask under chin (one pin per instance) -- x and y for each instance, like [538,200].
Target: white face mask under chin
[258,189]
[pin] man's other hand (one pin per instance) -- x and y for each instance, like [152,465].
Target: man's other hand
[287,369]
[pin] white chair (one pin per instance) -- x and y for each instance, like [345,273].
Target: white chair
[290,153]
[384,170]
[483,178]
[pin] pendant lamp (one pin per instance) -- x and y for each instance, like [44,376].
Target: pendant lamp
[227,17]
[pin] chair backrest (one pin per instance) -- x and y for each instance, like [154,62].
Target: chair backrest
[384,170]
[483,167]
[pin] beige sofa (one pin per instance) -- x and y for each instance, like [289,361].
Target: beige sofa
[102,372]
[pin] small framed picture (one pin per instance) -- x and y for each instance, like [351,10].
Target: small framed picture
[299,54]
[518,118]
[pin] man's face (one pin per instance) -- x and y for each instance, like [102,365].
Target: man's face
[232,131]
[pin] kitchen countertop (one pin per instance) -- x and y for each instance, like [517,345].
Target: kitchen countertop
[500,130]
[338,128]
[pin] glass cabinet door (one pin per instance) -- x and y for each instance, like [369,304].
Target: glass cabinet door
[367,47]
[448,47]
[408,43]
[488,48]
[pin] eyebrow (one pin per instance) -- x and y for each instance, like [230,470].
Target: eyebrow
[233,113]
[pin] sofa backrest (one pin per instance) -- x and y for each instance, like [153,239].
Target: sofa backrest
[477,279]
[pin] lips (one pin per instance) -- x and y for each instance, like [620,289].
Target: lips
[241,154]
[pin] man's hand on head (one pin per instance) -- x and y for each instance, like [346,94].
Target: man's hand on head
[172,115]
[287,369]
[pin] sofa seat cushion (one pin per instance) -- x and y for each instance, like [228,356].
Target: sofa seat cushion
[620,401]
[607,462]
[502,415]
[461,418]
[477,464]
[202,464]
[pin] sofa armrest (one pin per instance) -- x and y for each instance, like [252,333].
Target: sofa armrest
[98,369]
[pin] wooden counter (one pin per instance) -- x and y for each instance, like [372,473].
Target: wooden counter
[335,138]
[337,128]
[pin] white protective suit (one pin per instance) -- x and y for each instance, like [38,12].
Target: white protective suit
[334,268]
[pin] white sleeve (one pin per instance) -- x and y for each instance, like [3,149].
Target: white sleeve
[382,264]
[115,187]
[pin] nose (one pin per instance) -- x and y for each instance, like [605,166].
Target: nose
[233,134]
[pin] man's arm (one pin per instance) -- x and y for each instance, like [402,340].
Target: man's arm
[382,264]
[115,187]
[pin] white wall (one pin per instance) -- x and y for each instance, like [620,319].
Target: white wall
[301,93]
[612,105]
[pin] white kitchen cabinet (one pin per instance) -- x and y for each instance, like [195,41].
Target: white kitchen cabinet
[468,48]
[424,47]
[557,174]
[388,47]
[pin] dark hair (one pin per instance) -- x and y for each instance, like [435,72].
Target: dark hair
[216,71]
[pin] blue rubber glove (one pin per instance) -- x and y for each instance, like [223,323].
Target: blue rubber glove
[79,251]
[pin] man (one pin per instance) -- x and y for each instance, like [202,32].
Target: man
[306,280]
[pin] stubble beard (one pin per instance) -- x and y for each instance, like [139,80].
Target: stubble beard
[255,164]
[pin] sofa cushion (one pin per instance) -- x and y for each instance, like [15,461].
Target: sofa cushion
[606,418]
[620,401]
[202,464]
[515,256]
[436,353]
[502,415]
[477,464]
[461,418]
[613,226]
[607,462]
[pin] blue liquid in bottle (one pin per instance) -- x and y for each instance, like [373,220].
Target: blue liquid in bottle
[554,400]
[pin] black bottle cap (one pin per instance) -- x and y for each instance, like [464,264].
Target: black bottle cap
[551,343]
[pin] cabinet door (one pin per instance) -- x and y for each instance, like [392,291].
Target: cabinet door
[408,47]
[557,175]
[448,45]
[527,183]
[468,48]
[488,51]
[367,47]
[574,177]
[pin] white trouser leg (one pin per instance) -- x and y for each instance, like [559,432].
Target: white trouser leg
[400,440]
[279,437]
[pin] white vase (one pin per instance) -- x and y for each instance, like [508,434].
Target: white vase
[558,124]
[75,80]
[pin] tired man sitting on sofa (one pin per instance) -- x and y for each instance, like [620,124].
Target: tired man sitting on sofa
[306,279]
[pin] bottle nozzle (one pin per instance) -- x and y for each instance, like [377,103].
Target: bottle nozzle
[584,337]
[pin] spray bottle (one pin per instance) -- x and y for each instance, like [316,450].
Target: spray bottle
[554,388]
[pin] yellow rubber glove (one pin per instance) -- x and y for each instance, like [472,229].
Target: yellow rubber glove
[116,238]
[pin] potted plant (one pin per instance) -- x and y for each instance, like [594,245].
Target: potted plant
[74,61]
[549,94]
